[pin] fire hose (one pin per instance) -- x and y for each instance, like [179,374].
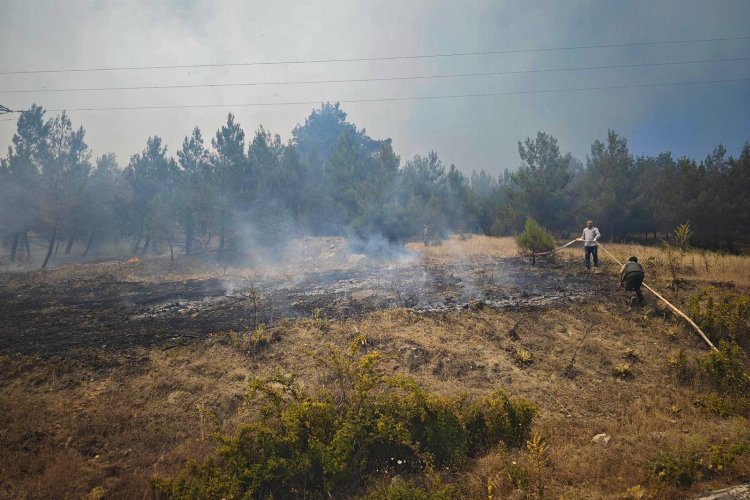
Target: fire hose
[657,294]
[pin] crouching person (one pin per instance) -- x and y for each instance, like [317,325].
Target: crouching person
[631,278]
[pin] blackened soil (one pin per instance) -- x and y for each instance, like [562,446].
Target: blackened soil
[65,317]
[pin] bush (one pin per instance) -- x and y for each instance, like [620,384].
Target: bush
[431,489]
[622,371]
[523,358]
[722,315]
[362,423]
[716,405]
[725,370]
[684,468]
[535,238]
[498,419]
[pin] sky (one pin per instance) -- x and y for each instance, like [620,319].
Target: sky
[471,132]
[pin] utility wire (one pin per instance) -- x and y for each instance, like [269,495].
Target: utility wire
[382,58]
[376,79]
[417,98]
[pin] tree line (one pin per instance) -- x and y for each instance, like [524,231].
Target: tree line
[235,192]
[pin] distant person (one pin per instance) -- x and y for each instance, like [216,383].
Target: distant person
[424,236]
[590,236]
[631,278]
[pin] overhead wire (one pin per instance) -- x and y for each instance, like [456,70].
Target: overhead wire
[379,58]
[374,79]
[399,99]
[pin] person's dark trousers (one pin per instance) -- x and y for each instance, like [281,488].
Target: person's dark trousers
[633,284]
[589,252]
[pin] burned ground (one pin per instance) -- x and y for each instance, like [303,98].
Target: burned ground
[78,418]
[61,316]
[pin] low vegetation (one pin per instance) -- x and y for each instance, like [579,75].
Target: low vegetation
[361,424]
[535,238]
[696,461]
[420,387]
[722,314]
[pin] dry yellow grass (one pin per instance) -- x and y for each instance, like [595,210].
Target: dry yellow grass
[696,265]
[692,265]
[468,245]
[70,429]
[108,425]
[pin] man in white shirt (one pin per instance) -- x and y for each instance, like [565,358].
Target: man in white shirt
[590,236]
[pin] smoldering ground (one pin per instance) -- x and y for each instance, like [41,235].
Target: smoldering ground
[121,305]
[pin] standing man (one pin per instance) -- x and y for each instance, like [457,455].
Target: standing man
[590,236]
[424,236]
[631,278]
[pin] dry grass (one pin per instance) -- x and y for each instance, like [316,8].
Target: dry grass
[703,266]
[106,424]
[69,429]
[468,245]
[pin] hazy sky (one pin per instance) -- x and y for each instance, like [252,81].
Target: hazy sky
[473,133]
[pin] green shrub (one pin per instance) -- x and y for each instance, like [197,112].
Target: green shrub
[361,424]
[717,405]
[725,370]
[677,469]
[498,419]
[535,238]
[722,315]
[432,489]
[684,468]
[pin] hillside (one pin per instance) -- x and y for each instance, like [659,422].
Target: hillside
[115,373]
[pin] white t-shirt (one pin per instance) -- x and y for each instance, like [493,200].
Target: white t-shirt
[590,236]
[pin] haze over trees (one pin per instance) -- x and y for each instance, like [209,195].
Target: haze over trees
[240,190]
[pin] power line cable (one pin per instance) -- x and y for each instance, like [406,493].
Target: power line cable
[381,58]
[415,98]
[375,79]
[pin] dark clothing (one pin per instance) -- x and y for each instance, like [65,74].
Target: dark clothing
[632,278]
[632,269]
[633,284]
[589,252]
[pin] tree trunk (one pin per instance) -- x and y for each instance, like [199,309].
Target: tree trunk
[171,250]
[69,246]
[140,235]
[26,243]
[50,248]
[189,234]
[14,248]
[221,239]
[57,246]
[145,244]
[88,245]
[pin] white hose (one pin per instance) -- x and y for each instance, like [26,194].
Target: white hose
[674,308]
